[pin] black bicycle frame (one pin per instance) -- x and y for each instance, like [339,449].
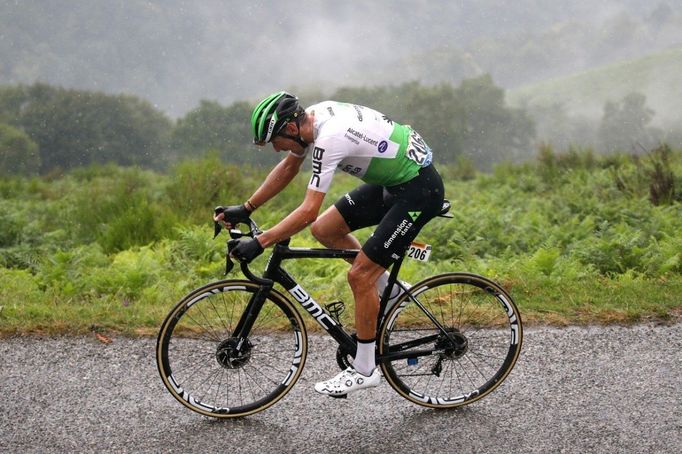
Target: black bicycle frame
[275,273]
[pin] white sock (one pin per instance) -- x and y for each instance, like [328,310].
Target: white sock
[364,361]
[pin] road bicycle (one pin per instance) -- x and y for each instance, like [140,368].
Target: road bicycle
[236,347]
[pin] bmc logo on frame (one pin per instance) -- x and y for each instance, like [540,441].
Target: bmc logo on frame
[317,166]
[312,307]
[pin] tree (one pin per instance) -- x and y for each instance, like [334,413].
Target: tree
[18,153]
[74,128]
[624,124]
[214,128]
[492,131]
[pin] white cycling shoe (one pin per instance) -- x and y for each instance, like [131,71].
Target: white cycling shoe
[348,382]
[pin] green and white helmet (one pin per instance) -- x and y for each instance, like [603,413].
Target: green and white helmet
[272,114]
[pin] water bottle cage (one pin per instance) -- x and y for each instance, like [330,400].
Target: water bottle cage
[335,309]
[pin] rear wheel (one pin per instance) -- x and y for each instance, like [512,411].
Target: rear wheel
[457,347]
[213,373]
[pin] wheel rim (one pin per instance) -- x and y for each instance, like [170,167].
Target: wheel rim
[480,348]
[206,369]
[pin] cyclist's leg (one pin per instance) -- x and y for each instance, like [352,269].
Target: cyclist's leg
[364,373]
[400,212]
[362,278]
[362,207]
[331,230]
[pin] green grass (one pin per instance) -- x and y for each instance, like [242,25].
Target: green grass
[599,300]
[576,239]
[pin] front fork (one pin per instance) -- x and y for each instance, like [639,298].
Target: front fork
[248,318]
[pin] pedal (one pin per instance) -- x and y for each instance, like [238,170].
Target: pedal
[335,309]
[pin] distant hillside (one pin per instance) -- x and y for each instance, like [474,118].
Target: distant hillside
[658,76]
[175,53]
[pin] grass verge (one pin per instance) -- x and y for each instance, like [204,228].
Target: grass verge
[597,300]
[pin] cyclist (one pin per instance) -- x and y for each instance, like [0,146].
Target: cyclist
[402,191]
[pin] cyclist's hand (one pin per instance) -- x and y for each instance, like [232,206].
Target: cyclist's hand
[245,249]
[232,215]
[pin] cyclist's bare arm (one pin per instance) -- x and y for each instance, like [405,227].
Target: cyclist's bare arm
[278,178]
[297,220]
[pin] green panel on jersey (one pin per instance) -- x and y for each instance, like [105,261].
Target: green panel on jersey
[390,172]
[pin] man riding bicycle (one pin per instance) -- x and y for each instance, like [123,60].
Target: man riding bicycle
[402,192]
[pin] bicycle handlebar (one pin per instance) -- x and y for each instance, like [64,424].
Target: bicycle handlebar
[236,233]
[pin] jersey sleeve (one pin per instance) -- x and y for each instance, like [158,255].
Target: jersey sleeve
[327,154]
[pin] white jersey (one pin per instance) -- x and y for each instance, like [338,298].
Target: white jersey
[364,143]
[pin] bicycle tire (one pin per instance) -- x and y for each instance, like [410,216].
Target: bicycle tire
[196,358]
[484,340]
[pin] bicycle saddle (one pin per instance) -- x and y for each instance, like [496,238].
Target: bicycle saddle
[444,212]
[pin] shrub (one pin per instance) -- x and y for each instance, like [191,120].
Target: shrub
[11,224]
[662,178]
[130,274]
[69,271]
[652,174]
[17,289]
[197,186]
[18,153]
[119,211]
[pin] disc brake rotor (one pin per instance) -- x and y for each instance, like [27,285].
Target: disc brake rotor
[230,356]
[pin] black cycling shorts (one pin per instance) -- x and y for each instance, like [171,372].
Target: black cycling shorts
[399,212]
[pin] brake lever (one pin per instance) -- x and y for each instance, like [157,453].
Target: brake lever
[217,228]
[234,233]
[229,264]
[255,231]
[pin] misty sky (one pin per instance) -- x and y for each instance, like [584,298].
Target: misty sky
[175,53]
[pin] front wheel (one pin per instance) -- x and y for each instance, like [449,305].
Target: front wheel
[212,372]
[451,340]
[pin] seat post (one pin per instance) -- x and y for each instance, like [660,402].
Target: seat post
[392,279]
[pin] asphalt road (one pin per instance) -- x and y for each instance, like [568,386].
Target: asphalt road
[594,389]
